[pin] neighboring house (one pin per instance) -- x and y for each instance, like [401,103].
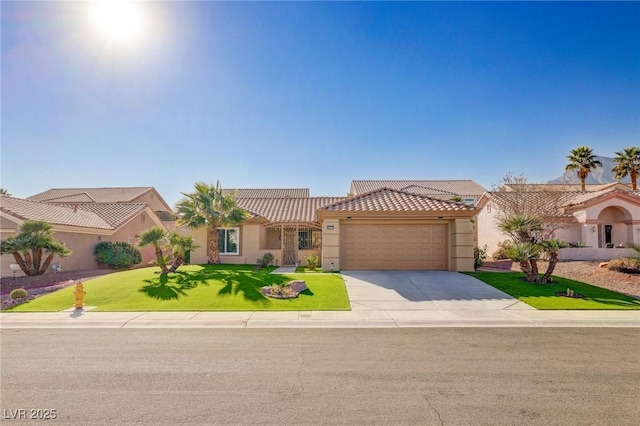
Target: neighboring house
[138,194]
[80,227]
[466,190]
[381,229]
[605,216]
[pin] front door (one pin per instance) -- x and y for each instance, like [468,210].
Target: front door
[607,233]
[289,245]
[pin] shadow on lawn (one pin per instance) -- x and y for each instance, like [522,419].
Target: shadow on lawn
[249,284]
[172,286]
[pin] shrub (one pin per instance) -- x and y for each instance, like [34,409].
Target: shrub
[117,254]
[479,256]
[267,260]
[18,293]
[501,253]
[312,261]
[629,265]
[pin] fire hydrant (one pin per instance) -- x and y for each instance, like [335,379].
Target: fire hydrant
[79,294]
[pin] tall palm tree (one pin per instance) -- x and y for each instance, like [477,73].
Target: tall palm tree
[154,236]
[583,161]
[208,206]
[628,163]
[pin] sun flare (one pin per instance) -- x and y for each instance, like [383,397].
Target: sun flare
[119,21]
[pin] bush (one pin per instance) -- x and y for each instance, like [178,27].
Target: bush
[501,253]
[479,256]
[117,254]
[267,260]
[18,293]
[312,261]
[629,265]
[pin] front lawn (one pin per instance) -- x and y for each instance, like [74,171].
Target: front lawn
[197,288]
[543,296]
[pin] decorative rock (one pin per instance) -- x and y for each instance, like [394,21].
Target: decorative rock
[295,286]
[603,264]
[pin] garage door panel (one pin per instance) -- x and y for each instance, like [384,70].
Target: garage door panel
[390,247]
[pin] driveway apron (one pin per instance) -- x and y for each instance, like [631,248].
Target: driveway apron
[423,291]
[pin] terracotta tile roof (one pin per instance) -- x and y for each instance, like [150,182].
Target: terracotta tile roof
[57,215]
[561,187]
[268,192]
[115,214]
[276,210]
[442,189]
[98,195]
[583,197]
[391,200]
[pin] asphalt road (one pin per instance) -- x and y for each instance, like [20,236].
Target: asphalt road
[441,376]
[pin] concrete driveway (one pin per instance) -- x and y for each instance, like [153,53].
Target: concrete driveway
[423,291]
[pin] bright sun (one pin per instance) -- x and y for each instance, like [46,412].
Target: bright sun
[119,21]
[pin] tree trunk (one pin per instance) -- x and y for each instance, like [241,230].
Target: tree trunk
[583,179]
[213,251]
[46,264]
[21,263]
[634,180]
[37,260]
[29,262]
[160,259]
[526,268]
[535,274]
[179,260]
[553,259]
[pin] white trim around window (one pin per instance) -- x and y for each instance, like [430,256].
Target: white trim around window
[229,241]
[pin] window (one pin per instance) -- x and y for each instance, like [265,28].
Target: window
[228,240]
[470,201]
[309,238]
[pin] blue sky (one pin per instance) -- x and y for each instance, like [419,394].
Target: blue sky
[314,94]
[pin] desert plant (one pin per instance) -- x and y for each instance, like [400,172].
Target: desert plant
[117,254]
[18,293]
[266,260]
[630,265]
[312,261]
[501,253]
[479,256]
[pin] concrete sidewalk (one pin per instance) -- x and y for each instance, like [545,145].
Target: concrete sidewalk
[322,319]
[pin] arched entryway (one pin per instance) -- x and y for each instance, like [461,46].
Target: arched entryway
[614,227]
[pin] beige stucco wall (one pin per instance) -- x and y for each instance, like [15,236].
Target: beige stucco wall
[330,245]
[152,200]
[487,227]
[82,243]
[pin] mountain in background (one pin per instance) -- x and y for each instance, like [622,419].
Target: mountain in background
[600,175]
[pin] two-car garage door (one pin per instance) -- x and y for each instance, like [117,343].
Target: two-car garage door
[394,246]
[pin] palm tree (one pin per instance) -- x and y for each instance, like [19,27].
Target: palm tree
[628,163]
[551,248]
[208,206]
[28,246]
[154,236]
[181,246]
[4,192]
[583,161]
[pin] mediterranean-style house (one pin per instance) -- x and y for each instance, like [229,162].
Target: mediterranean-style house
[597,223]
[413,225]
[82,217]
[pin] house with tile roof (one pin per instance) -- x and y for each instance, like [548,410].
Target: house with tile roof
[136,194]
[384,228]
[80,226]
[465,190]
[597,222]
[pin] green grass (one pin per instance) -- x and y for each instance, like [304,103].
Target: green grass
[543,296]
[197,288]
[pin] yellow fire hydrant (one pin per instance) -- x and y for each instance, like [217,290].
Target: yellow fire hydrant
[79,294]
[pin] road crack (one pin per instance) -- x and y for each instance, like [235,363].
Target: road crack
[432,408]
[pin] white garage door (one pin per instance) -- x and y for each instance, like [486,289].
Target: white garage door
[394,246]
